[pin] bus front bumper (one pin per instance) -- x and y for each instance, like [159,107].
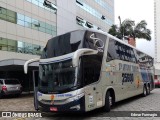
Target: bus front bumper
[73,106]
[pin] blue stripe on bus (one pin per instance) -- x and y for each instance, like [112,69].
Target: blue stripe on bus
[55,61]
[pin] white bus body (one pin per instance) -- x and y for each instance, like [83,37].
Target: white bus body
[96,70]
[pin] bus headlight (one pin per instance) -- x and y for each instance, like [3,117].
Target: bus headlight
[77,97]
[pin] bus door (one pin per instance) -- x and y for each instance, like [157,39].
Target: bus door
[35,87]
[91,68]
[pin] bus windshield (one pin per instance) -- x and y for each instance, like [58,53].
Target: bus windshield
[72,41]
[56,77]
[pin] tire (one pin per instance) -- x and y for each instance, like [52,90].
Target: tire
[17,95]
[108,102]
[144,94]
[148,90]
[1,95]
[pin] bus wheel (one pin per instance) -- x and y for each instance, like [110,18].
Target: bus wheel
[0,94]
[148,90]
[144,91]
[108,102]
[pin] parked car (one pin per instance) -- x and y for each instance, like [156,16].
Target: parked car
[157,83]
[10,87]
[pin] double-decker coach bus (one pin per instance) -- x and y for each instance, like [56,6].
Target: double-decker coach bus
[85,69]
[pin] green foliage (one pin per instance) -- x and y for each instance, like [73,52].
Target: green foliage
[129,29]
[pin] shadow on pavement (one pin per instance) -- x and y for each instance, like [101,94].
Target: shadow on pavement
[23,95]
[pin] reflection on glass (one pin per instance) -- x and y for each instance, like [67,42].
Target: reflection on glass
[40,3]
[94,12]
[42,29]
[19,46]
[42,24]
[29,0]
[12,45]
[105,5]
[3,11]
[3,44]
[11,19]
[26,21]
[28,48]
[48,26]
[35,2]
[36,49]
[20,16]
[11,13]
[27,24]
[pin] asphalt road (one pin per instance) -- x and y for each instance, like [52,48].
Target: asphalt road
[138,105]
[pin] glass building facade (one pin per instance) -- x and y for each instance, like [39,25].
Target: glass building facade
[95,14]
[19,46]
[82,4]
[27,25]
[26,21]
[49,29]
[40,3]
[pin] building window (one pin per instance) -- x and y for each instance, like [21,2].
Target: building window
[26,21]
[19,46]
[79,2]
[80,21]
[89,25]
[45,4]
[49,5]
[93,12]
[83,23]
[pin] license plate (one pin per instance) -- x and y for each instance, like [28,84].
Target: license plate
[53,109]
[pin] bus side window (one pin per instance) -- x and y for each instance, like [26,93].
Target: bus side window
[111,52]
[91,69]
[1,82]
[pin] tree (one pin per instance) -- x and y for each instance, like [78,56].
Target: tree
[128,29]
[141,31]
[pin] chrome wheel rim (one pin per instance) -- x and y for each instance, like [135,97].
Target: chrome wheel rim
[110,100]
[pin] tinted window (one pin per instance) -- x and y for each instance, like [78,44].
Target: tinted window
[90,68]
[57,76]
[1,82]
[95,41]
[63,44]
[70,42]
[117,50]
[144,60]
[12,82]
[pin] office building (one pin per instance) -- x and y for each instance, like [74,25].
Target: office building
[26,25]
[157,37]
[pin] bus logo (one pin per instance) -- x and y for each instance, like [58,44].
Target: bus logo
[97,42]
[52,97]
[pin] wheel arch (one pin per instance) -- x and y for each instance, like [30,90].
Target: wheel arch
[112,92]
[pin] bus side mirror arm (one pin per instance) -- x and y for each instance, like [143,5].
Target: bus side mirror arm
[28,62]
[80,52]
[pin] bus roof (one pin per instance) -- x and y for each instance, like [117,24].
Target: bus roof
[107,34]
